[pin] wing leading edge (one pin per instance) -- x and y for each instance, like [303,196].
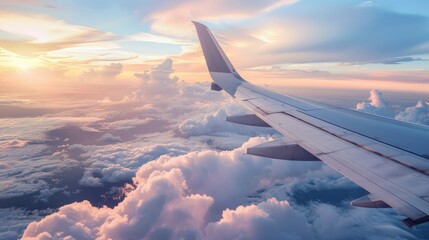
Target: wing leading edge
[386,157]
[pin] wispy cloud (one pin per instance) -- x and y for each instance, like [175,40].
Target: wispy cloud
[174,17]
[148,37]
[45,34]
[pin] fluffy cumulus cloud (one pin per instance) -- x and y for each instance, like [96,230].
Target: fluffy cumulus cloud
[377,104]
[215,122]
[158,209]
[61,157]
[160,84]
[271,219]
[108,148]
[157,82]
[202,195]
[416,114]
[107,72]
[213,129]
[119,162]
[110,138]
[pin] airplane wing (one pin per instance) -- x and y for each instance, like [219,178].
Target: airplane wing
[388,158]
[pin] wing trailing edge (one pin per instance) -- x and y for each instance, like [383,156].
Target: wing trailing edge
[247,119]
[280,149]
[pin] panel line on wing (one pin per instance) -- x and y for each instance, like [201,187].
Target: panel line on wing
[359,170]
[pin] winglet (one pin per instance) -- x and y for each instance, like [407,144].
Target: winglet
[213,53]
[221,70]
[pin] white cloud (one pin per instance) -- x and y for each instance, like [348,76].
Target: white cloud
[34,129]
[26,161]
[272,219]
[147,37]
[26,170]
[15,220]
[377,104]
[182,189]
[158,207]
[161,89]
[109,138]
[202,195]
[157,82]
[14,101]
[29,155]
[46,34]
[45,194]
[213,123]
[356,223]
[119,162]
[173,17]
[128,123]
[416,114]
[107,72]
[367,4]
[105,100]
[13,143]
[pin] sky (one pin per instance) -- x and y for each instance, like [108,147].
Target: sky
[108,127]
[347,44]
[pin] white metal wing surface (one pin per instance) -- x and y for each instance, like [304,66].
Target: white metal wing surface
[388,158]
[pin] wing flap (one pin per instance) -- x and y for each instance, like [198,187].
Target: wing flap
[369,201]
[247,119]
[280,149]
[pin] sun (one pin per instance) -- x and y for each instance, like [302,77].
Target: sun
[23,66]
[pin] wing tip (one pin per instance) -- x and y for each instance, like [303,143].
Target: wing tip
[198,24]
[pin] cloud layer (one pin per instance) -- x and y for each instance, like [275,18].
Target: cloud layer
[202,195]
[185,171]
